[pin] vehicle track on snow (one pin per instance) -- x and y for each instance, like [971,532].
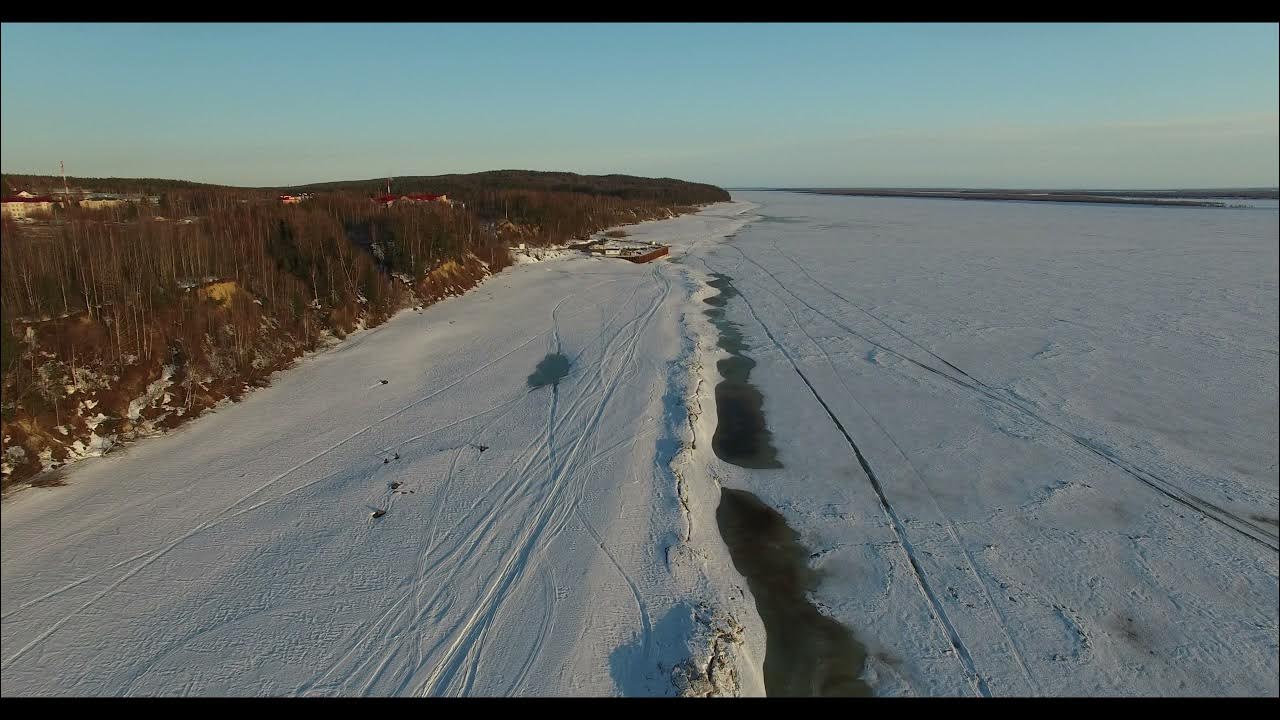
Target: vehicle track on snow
[403,616]
[1208,509]
[464,653]
[991,607]
[630,350]
[419,610]
[414,613]
[223,516]
[537,446]
[402,410]
[73,585]
[922,582]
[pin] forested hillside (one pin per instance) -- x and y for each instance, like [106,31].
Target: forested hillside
[123,321]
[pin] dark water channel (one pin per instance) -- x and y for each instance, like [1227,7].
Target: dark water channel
[741,436]
[807,654]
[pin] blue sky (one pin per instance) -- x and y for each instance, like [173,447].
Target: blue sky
[1052,105]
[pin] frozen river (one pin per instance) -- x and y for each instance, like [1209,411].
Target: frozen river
[1032,447]
[1008,448]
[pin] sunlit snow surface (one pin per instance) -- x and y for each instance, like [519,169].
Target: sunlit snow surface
[527,549]
[1070,412]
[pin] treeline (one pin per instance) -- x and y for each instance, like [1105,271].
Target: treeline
[13,183]
[625,187]
[118,287]
[213,288]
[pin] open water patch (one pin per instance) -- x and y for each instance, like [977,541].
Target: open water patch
[741,438]
[807,654]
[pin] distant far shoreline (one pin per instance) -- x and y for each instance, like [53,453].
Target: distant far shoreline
[1178,198]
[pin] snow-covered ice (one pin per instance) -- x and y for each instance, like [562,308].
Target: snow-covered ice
[1070,412]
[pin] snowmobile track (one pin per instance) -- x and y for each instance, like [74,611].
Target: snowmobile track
[939,613]
[1222,516]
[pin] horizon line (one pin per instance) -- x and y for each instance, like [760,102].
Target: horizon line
[723,187]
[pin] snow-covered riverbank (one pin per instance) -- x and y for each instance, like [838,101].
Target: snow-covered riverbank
[535,539]
[1030,450]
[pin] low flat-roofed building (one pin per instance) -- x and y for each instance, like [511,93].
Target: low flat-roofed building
[99,201]
[22,204]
